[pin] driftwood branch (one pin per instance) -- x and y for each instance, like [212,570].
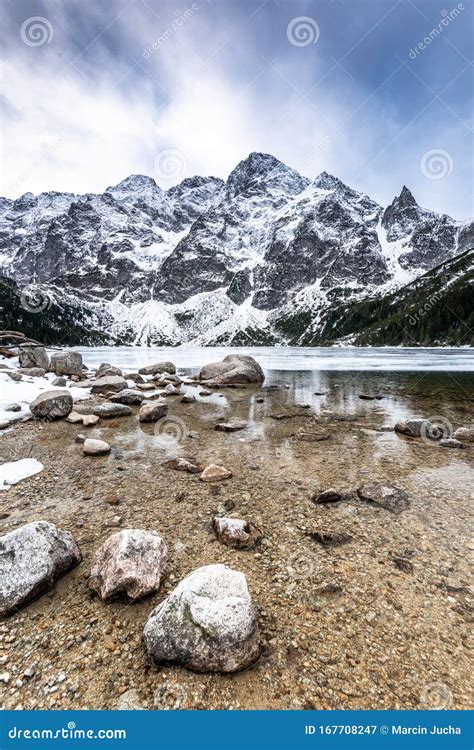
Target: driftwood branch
[20,338]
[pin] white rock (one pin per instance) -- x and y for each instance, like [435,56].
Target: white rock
[207,623]
[95,447]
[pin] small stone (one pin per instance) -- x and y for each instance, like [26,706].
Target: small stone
[153,412]
[60,382]
[464,434]
[94,447]
[215,473]
[412,427]
[110,410]
[451,443]
[190,399]
[329,538]
[89,420]
[182,464]
[5,677]
[80,438]
[235,532]
[13,407]
[234,426]
[312,437]
[111,499]
[391,498]
[30,671]
[14,375]
[328,496]
[74,417]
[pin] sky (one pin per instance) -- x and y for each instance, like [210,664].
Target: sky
[376,92]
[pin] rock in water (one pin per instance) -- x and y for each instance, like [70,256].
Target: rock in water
[153,412]
[92,447]
[234,426]
[214,473]
[206,624]
[390,498]
[128,396]
[235,532]
[108,411]
[235,368]
[32,558]
[33,356]
[464,434]
[52,405]
[158,368]
[66,363]
[182,464]
[412,427]
[451,443]
[131,562]
[328,496]
[108,384]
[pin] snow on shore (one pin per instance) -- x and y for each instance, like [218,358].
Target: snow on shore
[14,471]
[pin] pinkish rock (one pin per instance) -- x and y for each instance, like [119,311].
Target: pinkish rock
[235,532]
[215,473]
[94,447]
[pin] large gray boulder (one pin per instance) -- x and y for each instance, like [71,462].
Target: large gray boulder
[32,558]
[33,356]
[235,368]
[66,363]
[207,624]
[52,405]
[131,562]
[158,368]
[109,384]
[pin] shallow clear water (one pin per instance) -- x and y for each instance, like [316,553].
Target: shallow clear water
[391,359]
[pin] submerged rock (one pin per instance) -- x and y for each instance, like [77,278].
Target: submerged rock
[451,443]
[207,624]
[412,427]
[235,368]
[234,426]
[328,496]
[52,405]
[391,498]
[182,464]
[464,434]
[153,412]
[66,363]
[32,558]
[235,532]
[131,562]
[214,473]
[188,399]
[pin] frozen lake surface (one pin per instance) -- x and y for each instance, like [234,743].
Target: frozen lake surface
[388,359]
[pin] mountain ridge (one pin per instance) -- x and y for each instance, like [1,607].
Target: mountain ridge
[207,260]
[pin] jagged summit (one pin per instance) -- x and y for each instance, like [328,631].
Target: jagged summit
[264,172]
[135,182]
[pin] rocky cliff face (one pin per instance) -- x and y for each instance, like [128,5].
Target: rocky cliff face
[210,261]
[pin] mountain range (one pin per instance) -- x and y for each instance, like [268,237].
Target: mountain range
[267,257]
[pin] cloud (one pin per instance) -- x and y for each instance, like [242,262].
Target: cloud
[94,106]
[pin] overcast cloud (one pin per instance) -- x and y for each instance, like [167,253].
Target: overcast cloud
[98,90]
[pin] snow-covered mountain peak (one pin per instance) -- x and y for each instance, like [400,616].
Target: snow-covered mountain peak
[263,173]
